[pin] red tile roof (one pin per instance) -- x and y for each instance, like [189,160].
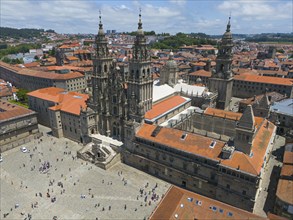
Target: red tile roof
[193,143]
[264,79]
[9,111]
[223,114]
[199,145]
[182,203]
[164,106]
[201,73]
[260,142]
[65,101]
[284,189]
[288,157]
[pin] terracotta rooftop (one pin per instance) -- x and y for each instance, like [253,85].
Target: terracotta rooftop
[32,64]
[287,171]
[50,75]
[81,51]
[275,96]
[198,64]
[201,73]
[56,68]
[65,101]
[165,106]
[288,157]
[193,143]
[285,186]
[10,111]
[223,114]
[264,79]
[272,216]
[182,204]
[253,164]
[71,58]
[199,145]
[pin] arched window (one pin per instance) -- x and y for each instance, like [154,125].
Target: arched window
[105,68]
[137,74]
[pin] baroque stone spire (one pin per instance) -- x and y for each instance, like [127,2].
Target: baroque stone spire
[101,30]
[101,41]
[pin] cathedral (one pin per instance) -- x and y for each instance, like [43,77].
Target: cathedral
[118,97]
[216,153]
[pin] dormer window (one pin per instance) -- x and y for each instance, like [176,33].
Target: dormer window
[183,136]
[213,144]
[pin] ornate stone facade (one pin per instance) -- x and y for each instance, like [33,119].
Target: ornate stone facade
[222,77]
[118,97]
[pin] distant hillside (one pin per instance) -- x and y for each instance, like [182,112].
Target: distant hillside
[26,33]
[271,37]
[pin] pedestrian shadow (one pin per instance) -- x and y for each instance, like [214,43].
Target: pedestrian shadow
[50,133]
[272,189]
[278,153]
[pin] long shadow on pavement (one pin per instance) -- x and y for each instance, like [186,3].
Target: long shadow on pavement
[270,201]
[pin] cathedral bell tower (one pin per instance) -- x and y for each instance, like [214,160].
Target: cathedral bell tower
[222,77]
[101,67]
[140,81]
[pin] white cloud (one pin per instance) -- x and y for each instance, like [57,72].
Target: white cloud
[178,2]
[81,16]
[258,9]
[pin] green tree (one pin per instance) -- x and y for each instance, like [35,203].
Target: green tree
[22,96]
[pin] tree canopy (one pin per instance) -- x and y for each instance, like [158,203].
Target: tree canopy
[180,39]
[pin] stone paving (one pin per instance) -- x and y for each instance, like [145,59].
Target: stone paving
[266,199]
[110,194]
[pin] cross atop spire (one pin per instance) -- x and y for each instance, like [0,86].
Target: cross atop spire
[100,18]
[228,25]
[139,21]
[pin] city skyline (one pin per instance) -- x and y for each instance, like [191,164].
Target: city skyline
[171,16]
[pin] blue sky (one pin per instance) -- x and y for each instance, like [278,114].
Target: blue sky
[172,16]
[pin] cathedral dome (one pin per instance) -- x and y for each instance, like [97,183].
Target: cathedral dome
[198,80]
[171,63]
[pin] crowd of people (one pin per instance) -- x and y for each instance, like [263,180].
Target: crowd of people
[59,179]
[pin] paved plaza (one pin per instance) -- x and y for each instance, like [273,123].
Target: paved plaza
[81,190]
[266,199]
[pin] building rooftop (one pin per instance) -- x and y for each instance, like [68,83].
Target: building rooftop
[201,72]
[274,96]
[41,74]
[10,111]
[190,90]
[161,91]
[288,157]
[285,186]
[284,107]
[264,79]
[50,75]
[183,204]
[200,145]
[223,114]
[287,171]
[165,106]
[70,102]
